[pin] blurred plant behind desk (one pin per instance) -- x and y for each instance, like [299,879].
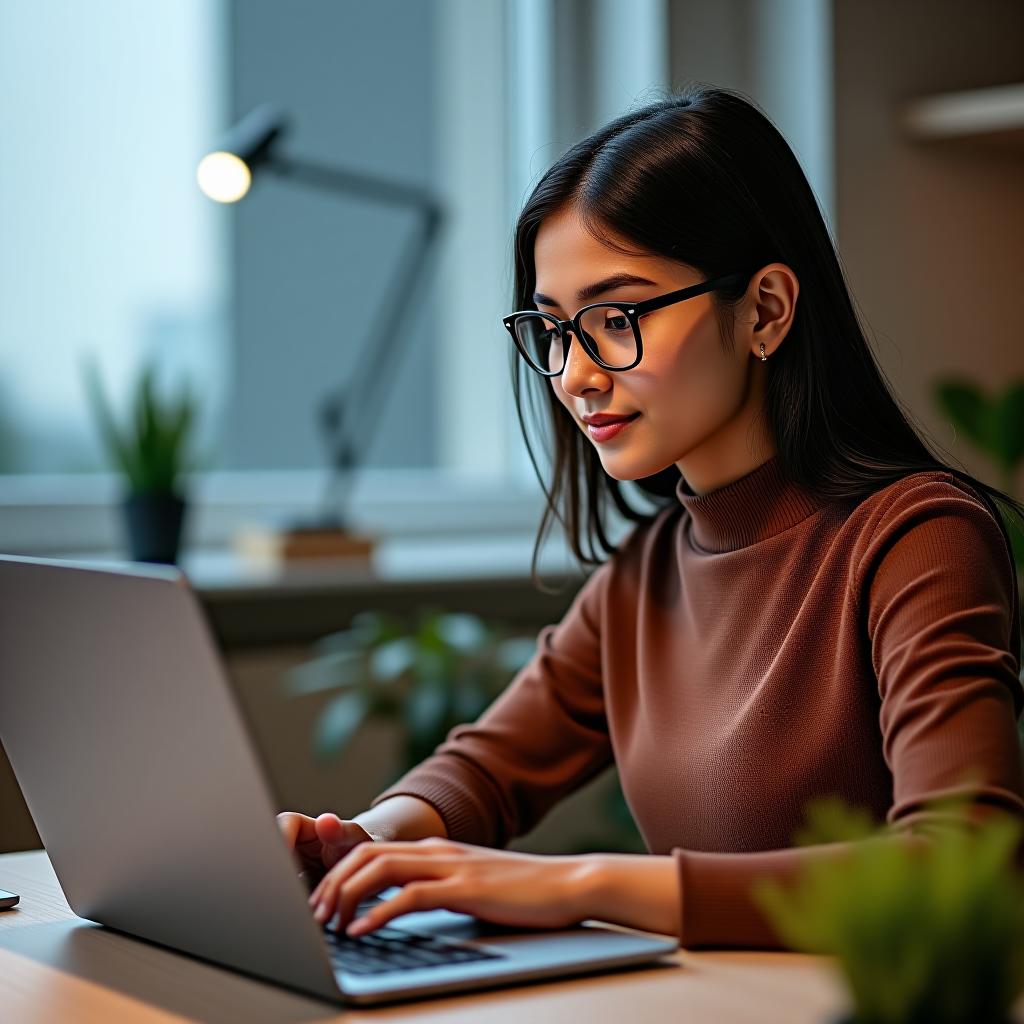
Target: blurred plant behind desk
[995,426]
[426,678]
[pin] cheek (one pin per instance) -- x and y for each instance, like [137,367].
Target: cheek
[693,382]
[688,368]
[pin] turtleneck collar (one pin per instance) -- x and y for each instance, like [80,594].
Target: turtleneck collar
[758,505]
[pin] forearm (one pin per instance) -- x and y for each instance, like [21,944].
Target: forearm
[402,817]
[636,890]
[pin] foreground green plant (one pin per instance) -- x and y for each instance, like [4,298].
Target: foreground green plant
[924,935]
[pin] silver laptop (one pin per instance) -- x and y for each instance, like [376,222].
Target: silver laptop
[122,728]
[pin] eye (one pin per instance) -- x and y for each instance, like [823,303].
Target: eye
[617,322]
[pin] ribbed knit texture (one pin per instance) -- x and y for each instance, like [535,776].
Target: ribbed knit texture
[748,650]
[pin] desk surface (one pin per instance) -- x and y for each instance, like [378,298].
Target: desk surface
[56,966]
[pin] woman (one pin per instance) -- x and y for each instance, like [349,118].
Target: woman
[816,606]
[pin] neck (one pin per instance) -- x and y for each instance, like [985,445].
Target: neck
[708,470]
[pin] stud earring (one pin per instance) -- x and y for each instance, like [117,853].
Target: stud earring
[764,358]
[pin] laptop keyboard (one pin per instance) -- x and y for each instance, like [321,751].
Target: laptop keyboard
[396,949]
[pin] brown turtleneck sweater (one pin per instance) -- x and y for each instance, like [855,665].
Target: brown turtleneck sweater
[749,649]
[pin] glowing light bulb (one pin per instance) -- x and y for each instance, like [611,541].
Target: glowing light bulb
[223,177]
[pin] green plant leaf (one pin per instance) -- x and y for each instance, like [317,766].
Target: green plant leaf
[514,653]
[994,425]
[932,933]
[332,671]
[968,409]
[471,696]
[145,428]
[1008,426]
[832,820]
[339,722]
[427,715]
[392,659]
[463,632]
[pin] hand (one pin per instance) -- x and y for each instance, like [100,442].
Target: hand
[505,887]
[319,843]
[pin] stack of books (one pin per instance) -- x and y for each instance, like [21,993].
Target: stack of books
[290,541]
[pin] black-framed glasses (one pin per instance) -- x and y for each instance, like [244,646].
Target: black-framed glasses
[609,331]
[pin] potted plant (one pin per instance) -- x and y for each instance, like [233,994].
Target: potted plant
[443,670]
[930,935]
[151,453]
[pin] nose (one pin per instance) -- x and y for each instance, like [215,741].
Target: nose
[581,373]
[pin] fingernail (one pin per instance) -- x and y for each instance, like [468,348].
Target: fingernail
[358,926]
[321,912]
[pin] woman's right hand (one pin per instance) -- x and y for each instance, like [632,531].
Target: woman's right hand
[319,843]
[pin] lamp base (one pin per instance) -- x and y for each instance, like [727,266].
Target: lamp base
[295,540]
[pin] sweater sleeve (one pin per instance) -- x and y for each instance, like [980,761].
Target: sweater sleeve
[544,736]
[940,603]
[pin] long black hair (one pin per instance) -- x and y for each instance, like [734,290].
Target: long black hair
[703,177]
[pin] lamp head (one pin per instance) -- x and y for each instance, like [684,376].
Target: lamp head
[226,173]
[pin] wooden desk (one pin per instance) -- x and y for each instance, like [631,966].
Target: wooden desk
[58,967]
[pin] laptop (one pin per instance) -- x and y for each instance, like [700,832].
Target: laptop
[133,756]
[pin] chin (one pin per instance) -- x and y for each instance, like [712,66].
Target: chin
[624,472]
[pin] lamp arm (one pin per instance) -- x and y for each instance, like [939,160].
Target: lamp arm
[337,179]
[351,414]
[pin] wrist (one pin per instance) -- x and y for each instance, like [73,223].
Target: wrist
[588,883]
[401,817]
[639,891]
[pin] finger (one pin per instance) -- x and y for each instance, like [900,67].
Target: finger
[343,894]
[414,896]
[337,836]
[296,828]
[353,859]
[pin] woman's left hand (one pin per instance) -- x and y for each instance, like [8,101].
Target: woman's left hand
[501,886]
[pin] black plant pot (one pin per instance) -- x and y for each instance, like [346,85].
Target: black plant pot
[153,523]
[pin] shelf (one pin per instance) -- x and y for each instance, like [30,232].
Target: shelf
[993,114]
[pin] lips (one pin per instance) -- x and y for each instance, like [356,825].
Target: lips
[605,419]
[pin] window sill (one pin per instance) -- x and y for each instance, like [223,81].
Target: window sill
[50,512]
[219,573]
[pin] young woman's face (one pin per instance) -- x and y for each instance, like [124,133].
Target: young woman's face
[696,401]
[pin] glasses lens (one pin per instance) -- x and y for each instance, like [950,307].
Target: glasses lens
[610,334]
[539,338]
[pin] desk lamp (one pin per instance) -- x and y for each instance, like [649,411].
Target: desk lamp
[348,415]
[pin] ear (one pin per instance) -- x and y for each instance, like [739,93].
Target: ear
[767,309]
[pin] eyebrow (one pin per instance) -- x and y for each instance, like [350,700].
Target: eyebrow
[591,291]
